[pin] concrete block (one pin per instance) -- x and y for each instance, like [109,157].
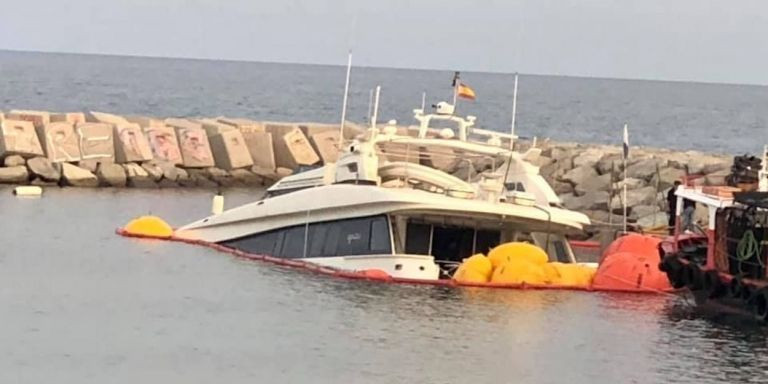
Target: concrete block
[37,118]
[183,123]
[244,125]
[292,148]
[68,117]
[230,151]
[96,142]
[60,141]
[326,144]
[164,144]
[146,122]
[195,148]
[261,149]
[131,145]
[103,117]
[213,127]
[351,130]
[19,138]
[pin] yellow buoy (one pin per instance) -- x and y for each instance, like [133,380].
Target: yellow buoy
[517,250]
[518,271]
[474,269]
[151,226]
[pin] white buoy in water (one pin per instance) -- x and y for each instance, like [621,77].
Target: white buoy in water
[28,190]
[217,206]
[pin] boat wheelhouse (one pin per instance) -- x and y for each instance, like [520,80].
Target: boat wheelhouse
[725,268]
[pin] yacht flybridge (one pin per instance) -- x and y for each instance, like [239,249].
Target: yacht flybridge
[411,205]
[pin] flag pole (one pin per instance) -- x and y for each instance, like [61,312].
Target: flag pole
[514,115]
[375,107]
[624,191]
[370,105]
[344,103]
[455,89]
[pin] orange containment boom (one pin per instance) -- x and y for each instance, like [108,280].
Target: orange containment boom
[629,264]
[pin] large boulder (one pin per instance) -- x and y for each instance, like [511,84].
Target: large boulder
[706,164]
[645,169]
[718,177]
[589,157]
[43,169]
[138,177]
[635,197]
[245,177]
[154,171]
[169,171]
[112,175]
[200,178]
[561,187]
[631,183]
[666,177]
[78,177]
[596,183]
[640,211]
[653,220]
[14,161]
[579,175]
[14,175]
[596,200]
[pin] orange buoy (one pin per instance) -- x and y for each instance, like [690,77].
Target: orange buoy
[630,263]
[376,274]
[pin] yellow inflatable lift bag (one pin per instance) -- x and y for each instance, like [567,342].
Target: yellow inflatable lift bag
[517,250]
[474,269]
[149,226]
[518,271]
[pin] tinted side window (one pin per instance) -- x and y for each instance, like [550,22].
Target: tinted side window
[562,253]
[293,243]
[331,239]
[417,239]
[317,235]
[486,240]
[354,237]
[380,242]
[261,244]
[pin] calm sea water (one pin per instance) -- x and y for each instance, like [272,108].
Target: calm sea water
[723,118]
[79,304]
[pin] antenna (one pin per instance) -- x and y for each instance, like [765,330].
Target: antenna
[344,105]
[376,107]
[514,114]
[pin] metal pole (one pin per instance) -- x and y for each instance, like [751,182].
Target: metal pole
[423,100]
[514,113]
[370,105]
[375,107]
[344,105]
[624,197]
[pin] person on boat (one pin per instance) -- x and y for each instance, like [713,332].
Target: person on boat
[689,207]
[672,204]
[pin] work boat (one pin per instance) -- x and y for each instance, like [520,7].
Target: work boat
[412,206]
[725,268]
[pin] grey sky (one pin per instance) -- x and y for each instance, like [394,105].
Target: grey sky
[705,40]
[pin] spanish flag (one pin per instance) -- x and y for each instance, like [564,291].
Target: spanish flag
[464,91]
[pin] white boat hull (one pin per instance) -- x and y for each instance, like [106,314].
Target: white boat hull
[399,266]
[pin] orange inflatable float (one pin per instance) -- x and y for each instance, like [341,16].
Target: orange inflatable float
[630,263]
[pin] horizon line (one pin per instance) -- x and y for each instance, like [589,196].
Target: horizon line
[155,57]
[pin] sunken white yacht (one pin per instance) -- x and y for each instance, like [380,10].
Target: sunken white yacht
[410,204]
